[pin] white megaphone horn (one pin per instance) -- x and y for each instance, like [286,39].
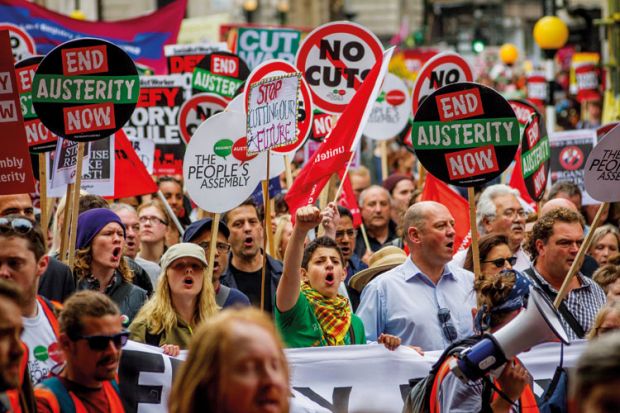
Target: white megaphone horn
[538,323]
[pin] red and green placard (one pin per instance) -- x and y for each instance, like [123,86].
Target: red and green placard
[465,134]
[220,73]
[85,89]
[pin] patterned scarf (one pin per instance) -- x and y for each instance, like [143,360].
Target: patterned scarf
[333,314]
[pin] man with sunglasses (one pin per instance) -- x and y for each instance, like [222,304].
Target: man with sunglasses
[199,232]
[22,261]
[57,282]
[425,301]
[554,243]
[91,338]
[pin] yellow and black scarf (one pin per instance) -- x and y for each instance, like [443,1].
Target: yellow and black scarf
[333,314]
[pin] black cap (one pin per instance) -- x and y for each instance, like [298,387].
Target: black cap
[197,227]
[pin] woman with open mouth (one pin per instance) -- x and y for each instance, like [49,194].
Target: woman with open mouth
[99,263]
[309,311]
[183,299]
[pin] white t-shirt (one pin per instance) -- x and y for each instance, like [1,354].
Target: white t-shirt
[43,350]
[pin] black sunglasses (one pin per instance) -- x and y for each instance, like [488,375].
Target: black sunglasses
[449,331]
[499,262]
[100,343]
[18,225]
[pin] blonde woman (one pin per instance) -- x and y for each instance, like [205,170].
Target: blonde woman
[284,229]
[235,364]
[607,320]
[183,299]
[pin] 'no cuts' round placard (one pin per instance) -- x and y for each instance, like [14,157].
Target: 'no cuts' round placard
[196,110]
[602,171]
[465,134]
[85,89]
[390,113]
[40,139]
[218,172]
[22,44]
[335,58]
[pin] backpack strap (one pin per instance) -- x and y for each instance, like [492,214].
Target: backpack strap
[222,295]
[562,309]
[50,310]
[60,392]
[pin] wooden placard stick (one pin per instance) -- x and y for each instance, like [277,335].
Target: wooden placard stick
[212,246]
[474,230]
[75,203]
[43,195]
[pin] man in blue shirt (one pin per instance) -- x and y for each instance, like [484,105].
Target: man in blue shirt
[425,301]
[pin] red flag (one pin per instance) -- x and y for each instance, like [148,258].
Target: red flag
[517,182]
[348,200]
[130,175]
[334,153]
[438,191]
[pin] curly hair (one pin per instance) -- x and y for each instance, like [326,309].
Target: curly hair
[485,244]
[84,258]
[493,290]
[159,313]
[606,275]
[543,228]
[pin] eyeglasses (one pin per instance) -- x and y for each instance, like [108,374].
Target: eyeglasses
[449,331]
[511,212]
[18,225]
[151,219]
[351,233]
[100,343]
[499,262]
[221,247]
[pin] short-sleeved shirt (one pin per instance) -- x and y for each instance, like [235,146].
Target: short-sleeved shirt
[300,328]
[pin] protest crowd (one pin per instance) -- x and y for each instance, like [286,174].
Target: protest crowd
[228,255]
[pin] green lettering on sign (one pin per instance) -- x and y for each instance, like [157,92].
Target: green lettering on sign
[206,81]
[463,134]
[26,104]
[532,159]
[85,89]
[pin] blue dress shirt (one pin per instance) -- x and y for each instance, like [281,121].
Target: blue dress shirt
[405,302]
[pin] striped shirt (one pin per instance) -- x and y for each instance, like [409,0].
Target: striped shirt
[583,302]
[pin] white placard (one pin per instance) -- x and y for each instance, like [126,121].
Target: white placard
[390,112]
[602,170]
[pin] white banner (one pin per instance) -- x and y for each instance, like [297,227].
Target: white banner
[348,379]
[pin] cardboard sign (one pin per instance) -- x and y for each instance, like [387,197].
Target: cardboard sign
[218,172]
[85,89]
[390,113]
[196,110]
[322,125]
[40,139]
[569,151]
[304,100]
[335,58]
[22,44]
[156,118]
[465,134]
[220,73]
[272,113]
[183,58]
[441,70]
[536,88]
[16,175]
[523,110]
[602,170]
[256,45]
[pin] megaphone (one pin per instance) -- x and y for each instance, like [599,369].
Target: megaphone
[538,323]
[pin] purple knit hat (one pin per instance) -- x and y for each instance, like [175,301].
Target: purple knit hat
[91,222]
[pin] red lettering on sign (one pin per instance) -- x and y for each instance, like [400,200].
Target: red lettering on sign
[24,78]
[533,133]
[322,125]
[540,180]
[225,65]
[37,133]
[471,162]
[157,97]
[89,118]
[459,105]
[184,64]
[268,91]
[85,60]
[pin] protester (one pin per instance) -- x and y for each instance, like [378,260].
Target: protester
[91,340]
[244,270]
[15,386]
[99,263]
[22,261]
[184,298]
[309,311]
[57,282]
[553,246]
[495,255]
[608,277]
[605,243]
[567,190]
[595,380]
[154,223]
[199,232]
[129,218]
[360,180]
[499,211]
[235,364]
[438,287]
[172,189]
[282,234]
[500,298]
[375,206]
[381,261]
[345,237]
[401,187]
[607,320]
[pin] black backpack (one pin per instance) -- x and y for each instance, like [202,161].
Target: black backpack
[418,399]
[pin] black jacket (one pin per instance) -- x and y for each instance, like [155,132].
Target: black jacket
[57,282]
